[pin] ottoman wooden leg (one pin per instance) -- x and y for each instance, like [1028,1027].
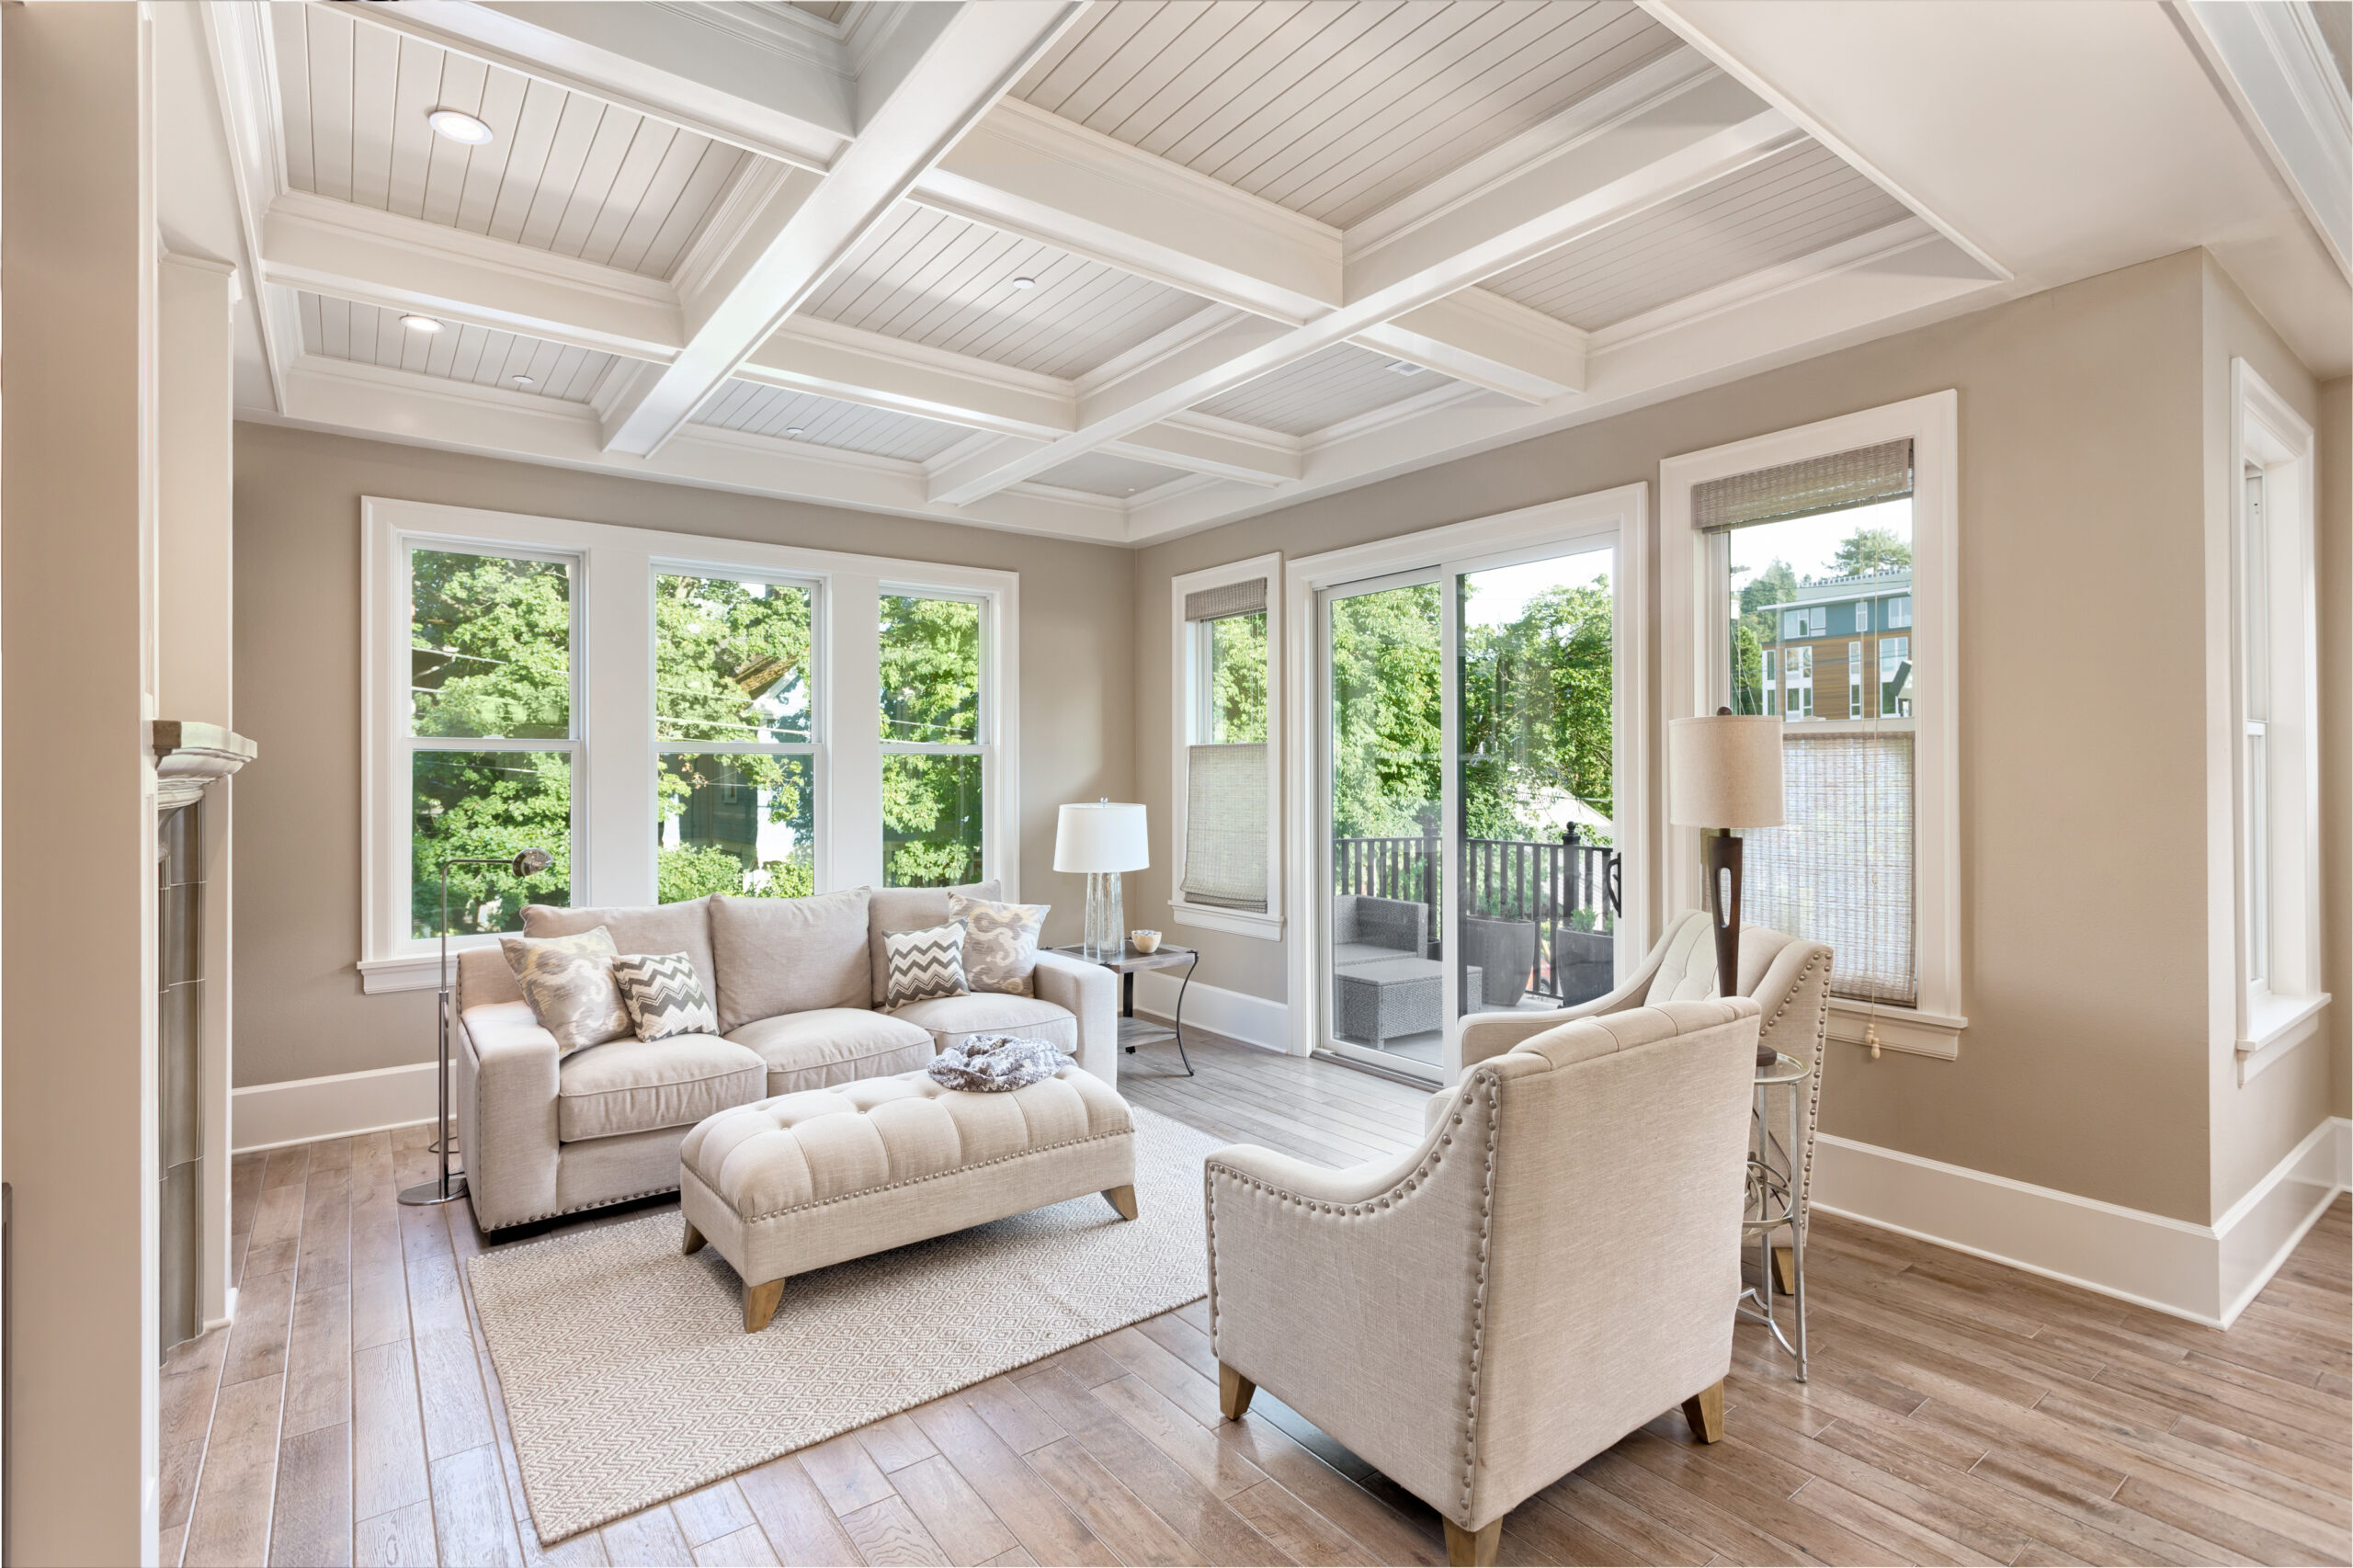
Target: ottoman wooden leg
[759,1304]
[693,1243]
[1705,1412]
[1123,1199]
[1234,1392]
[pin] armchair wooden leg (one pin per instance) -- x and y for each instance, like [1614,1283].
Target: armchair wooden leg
[1705,1411]
[1472,1549]
[759,1304]
[1234,1392]
[693,1243]
[1123,1199]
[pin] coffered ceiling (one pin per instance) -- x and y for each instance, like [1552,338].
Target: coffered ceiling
[1114,271]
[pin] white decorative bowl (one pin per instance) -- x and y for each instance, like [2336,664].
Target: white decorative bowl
[1145,941]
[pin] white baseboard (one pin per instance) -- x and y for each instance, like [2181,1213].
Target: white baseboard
[1234,1013]
[267,1116]
[2205,1273]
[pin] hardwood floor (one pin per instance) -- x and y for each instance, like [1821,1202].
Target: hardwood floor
[1958,1411]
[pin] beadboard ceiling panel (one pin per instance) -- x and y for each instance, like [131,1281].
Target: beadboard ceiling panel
[946,283]
[565,171]
[824,422]
[1339,383]
[1334,109]
[1106,474]
[1784,207]
[337,329]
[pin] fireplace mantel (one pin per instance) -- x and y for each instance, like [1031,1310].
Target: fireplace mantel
[190,754]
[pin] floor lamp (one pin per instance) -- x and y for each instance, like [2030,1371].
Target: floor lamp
[525,864]
[1723,772]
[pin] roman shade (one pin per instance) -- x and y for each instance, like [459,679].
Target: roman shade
[1827,483]
[1225,788]
[1841,869]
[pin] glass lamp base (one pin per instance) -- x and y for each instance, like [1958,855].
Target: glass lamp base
[1107,937]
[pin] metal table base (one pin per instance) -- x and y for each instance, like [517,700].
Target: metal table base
[1777,1202]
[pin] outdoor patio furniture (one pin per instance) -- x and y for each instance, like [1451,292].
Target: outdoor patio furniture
[1388,998]
[1506,950]
[1368,930]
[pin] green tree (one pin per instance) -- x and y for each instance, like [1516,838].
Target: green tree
[1237,678]
[1753,630]
[1872,550]
[1537,699]
[1386,729]
[931,691]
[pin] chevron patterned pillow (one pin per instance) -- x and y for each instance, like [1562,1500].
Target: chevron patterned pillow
[664,995]
[924,964]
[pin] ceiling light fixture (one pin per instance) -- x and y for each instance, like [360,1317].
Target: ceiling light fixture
[459,126]
[421,324]
[521,380]
[794,431]
[1404,368]
[1024,283]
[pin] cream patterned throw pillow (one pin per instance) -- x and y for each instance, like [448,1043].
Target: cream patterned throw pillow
[569,982]
[1000,942]
[924,964]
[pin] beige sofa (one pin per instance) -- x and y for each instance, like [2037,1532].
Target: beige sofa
[799,985]
[1552,1266]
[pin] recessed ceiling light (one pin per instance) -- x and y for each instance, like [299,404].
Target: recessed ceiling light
[1024,283]
[794,431]
[459,126]
[521,380]
[1404,368]
[421,324]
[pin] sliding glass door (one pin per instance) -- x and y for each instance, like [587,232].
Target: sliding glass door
[1468,740]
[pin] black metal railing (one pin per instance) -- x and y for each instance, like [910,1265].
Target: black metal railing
[1570,893]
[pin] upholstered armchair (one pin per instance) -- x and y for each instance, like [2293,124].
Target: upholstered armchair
[1788,979]
[1553,1266]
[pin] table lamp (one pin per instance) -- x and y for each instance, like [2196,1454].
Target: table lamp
[1723,772]
[1102,840]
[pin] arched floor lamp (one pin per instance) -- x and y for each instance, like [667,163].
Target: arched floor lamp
[525,864]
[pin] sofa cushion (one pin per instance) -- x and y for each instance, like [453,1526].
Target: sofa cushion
[908,909]
[682,927]
[834,1045]
[951,1019]
[788,955]
[568,981]
[1000,942]
[637,1086]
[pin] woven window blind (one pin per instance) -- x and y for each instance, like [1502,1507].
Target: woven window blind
[1227,598]
[1827,483]
[1225,826]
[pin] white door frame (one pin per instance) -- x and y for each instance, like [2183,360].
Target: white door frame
[1531,532]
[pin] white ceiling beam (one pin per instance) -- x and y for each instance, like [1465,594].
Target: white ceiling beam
[946,66]
[351,252]
[1481,337]
[771,83]
[1655,136]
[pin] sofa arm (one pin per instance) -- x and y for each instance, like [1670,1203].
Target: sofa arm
[1398,1247]
[508,1077]
[1091,995]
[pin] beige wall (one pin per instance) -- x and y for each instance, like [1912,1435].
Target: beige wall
[300,1012]
[2253,1125]
[2335,565]
[2085,1067]
[76,799]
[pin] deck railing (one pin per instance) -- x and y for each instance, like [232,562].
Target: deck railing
[1570,891]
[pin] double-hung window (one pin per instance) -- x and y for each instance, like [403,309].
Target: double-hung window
[1225,799]
[1800,533]
[2273,725]
[669,717]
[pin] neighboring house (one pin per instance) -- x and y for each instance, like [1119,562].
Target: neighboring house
[1841,648]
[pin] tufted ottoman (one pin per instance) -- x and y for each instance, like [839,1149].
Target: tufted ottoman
[794,1183]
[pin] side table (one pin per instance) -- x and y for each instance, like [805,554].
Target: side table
[1126,965]
[1777,1201]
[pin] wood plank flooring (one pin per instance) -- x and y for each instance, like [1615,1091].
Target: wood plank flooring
[1958,1411]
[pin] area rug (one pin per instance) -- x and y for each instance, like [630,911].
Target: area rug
[628,1378]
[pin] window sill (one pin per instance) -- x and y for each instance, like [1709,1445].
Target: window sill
[2276,1025]
[408,972]
[1234,922]
[1900,1028]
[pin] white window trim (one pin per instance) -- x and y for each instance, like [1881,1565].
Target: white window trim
[613,801]
[1693,662]
[2272,1018]
[1623,512]
[1267,927]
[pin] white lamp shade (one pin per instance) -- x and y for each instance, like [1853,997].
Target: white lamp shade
[1103,835]
[1724,771]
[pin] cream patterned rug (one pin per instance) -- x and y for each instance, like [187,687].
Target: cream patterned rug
[630,1380]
